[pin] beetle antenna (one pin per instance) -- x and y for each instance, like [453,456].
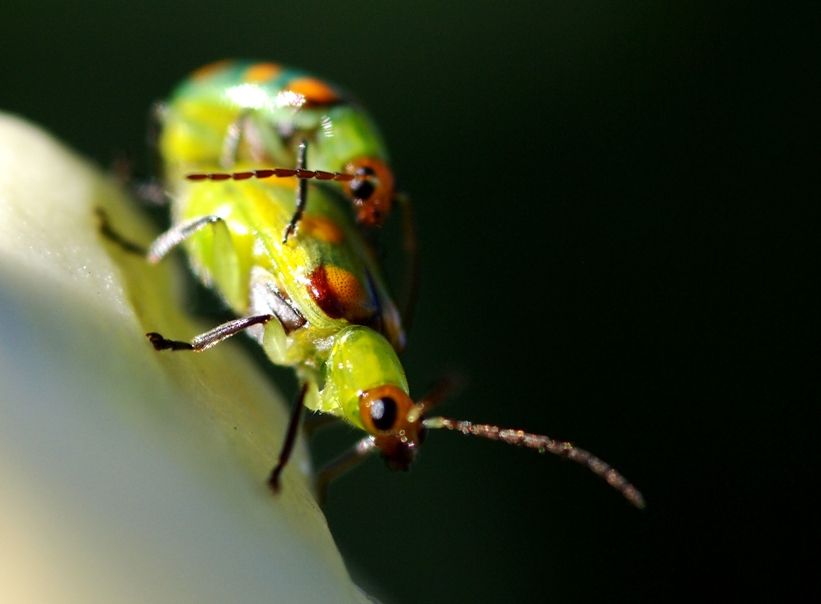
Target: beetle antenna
[543,444]
[442,389]
[273,173]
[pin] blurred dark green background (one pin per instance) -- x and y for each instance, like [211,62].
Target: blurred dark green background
[618,238]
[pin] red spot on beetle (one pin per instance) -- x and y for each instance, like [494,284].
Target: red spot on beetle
[339,294]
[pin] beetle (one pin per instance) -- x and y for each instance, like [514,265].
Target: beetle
[231,112]
[314,299]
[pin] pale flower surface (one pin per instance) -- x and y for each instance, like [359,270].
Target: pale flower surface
[128,475]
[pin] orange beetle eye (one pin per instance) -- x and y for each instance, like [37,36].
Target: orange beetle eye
[384,409]
[371,190]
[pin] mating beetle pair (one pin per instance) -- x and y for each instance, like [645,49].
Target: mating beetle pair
[270,235]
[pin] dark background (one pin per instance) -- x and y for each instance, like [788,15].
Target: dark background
[617,207]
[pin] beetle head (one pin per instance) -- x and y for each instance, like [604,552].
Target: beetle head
[371,190]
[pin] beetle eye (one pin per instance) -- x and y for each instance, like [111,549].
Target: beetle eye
[383,413]
[362,188]
[370,190]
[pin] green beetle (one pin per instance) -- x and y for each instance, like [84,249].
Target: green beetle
[314,298]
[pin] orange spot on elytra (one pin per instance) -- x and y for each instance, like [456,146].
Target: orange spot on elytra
[322,228]
[262,72]
[210,69]
[316,92]
[339,293]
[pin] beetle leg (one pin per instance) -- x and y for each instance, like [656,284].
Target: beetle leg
[154,125]
[348,460]
[108,231]
[210,338]
[266,298]
[290,438]
[301,191]
[147,188]
[318,421]
[237,130]
[263,144]
[176,235]
[412,266]
[151,191]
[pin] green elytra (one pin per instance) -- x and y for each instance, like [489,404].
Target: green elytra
[233,112]
[315,300]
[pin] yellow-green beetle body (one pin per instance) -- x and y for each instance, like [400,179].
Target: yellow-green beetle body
[314,299]
[323,285]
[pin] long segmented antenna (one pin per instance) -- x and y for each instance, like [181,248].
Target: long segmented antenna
[275,173]
[544,444]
